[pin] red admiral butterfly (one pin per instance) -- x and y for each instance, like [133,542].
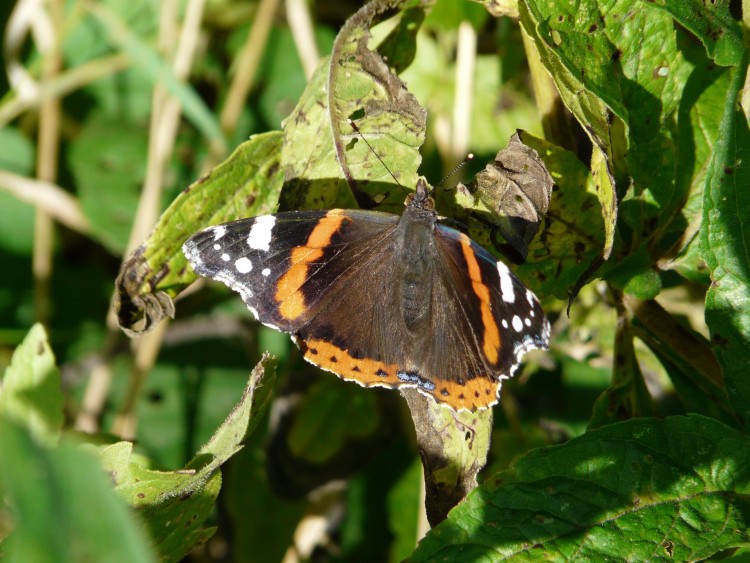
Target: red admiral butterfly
[380,299]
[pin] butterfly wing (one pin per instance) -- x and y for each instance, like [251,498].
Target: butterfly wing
[483,321]
[284,264]
[333,280]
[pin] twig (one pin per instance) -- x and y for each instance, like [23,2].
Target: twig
[466,56]
[163,131]
[49,138]
[60,85]
[48,197]
[303,33]
[245,68]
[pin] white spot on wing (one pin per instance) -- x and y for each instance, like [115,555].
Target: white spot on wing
[217,246]
[225,257]
[517,323]
[260,234]
[192,254]
[527,321]
[505,323]
[506,283]
[219,232]
[266,272]
[530,297]
[243,265]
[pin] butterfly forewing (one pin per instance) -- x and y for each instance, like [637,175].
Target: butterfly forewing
[510,318]
[283,264]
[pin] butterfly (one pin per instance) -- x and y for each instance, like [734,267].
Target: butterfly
[381,299]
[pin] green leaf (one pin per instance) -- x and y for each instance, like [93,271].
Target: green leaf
[627,57]
[605,192]
[355,83]
[329,415]
[17,218]
[713,24]
[400,46]
[108,161]
[30,392]
[726,246]
[585,105]
[638,490]
[246,184]
[635,276]
[404,508]
[453,446]
[312,176]
[175,504]
[63,506]
[698,123]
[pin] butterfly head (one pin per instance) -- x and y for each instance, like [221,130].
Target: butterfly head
[421,199]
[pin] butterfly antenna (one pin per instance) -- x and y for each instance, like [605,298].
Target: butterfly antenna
[361,136]
[468,158]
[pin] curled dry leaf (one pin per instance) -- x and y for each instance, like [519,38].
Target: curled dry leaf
[516,188]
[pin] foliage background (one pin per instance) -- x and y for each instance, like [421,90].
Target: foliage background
[139,99]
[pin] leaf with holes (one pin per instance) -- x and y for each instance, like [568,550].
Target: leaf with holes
[362,87]
[627,56]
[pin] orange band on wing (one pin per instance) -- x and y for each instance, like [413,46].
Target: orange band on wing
[363,371]
[289,295]
[477,393]
[491,341]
